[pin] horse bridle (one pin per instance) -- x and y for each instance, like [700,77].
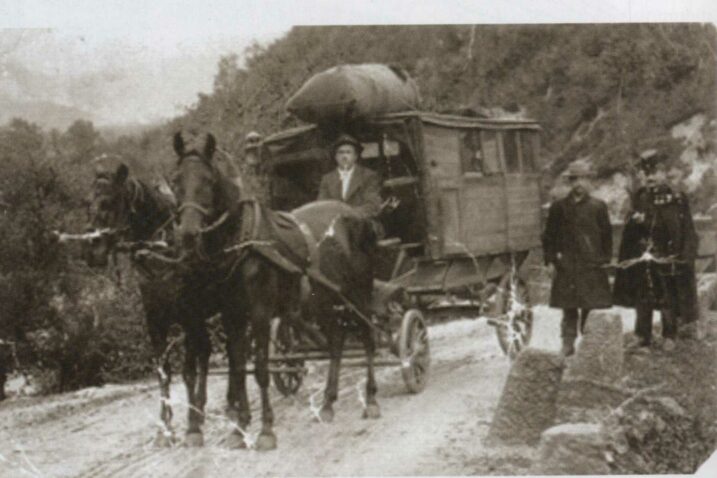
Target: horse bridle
[204,211]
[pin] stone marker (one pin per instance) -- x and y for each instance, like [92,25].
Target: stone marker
[587,400]
[707,291]
[573,449]
[599,356]
[527,405]
[706,298]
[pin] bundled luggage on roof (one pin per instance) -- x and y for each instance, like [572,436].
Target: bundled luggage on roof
[349,92]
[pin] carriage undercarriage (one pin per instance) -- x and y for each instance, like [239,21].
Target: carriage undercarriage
[400,330]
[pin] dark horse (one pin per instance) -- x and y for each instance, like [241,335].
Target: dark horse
[129,210]
[234,241]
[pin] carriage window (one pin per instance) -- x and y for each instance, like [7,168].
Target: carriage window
[527,148]
[510,150]
[489,149]
[370,150]
[471,152]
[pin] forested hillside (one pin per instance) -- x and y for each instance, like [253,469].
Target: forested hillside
[602,91]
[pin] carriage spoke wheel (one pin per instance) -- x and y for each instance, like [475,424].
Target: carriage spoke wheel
[414,351]
[283,341]
[512,304]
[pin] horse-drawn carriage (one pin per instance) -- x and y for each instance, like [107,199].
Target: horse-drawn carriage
[468,214]
[468,194]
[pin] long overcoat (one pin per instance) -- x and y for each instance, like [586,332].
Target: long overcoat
[660,219]
[578,241]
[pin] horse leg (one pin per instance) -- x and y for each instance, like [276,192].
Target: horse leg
[158,337]
[231,386]
[336,338]
[372,409]
[204,351]
[235,327]
[194,433]
[261,331]
[3,375]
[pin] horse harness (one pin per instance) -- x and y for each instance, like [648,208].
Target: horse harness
[250,240]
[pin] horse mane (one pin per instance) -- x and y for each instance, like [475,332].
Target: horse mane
[148,207]
[141,193]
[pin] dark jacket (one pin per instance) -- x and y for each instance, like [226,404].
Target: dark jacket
[578,241]
[364,193]
[661,218]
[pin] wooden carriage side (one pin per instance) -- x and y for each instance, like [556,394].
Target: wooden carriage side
[481,185]
[469,187]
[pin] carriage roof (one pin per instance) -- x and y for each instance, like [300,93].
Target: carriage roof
[438,119]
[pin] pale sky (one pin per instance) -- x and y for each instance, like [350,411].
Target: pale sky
[138,61]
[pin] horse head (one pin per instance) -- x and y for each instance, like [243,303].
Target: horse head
[204,194]
[108,208]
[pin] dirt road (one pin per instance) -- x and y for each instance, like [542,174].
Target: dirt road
[107,432]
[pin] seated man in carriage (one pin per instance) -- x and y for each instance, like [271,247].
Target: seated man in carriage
[351,183]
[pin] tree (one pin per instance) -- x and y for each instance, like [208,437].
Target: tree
[81,141]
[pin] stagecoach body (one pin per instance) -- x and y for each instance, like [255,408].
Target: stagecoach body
[469,191]
[469,209]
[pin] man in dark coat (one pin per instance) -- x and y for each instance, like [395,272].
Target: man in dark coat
[659,228]
[577,244]
[353,184]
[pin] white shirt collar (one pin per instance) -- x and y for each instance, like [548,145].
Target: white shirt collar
[346,173]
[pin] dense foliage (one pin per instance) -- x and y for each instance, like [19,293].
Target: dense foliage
[600,91]
[72,326]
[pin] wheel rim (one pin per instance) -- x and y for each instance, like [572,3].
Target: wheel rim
[515,333]
[283,343]
[417,357]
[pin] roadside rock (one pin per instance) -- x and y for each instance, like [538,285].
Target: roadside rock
[527,405]
[582,400]
[573,449]
[599,357]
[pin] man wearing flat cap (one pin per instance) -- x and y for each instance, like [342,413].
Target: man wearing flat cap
[577,243]
[355,185]
[659,224]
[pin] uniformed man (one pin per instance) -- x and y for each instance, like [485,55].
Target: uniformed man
[349,182]
[659,229]
[577,244]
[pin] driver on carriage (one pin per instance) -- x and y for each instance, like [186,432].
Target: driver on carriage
[351,183]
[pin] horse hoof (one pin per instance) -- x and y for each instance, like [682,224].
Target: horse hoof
[194,440]
[164,439]
[266,442]
[326,415]
[235,441]
[372,411]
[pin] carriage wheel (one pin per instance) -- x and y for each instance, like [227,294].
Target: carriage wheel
[512,305]
[413,350]
[283,341]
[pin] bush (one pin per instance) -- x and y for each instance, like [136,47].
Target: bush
[74,327]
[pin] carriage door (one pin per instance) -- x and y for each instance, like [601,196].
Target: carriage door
[483,195]
[442,152]
[523,188]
